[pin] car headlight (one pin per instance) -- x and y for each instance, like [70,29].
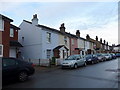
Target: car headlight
[89,59]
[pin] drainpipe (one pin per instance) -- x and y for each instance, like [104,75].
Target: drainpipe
[84,46]
[70,46]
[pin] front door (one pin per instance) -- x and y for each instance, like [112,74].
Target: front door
[63,54]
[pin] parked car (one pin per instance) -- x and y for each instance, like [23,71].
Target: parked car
[110,56]
[100,57]
[107,56]
[13,68]
[73,61]
[113,55]
[117,54]
[91,58]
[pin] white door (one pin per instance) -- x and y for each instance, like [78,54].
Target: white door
[12,52]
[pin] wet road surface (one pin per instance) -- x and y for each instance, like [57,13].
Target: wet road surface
[100,75]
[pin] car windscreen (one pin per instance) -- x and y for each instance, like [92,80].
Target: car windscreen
[98,54]
[73,57]
[88,56]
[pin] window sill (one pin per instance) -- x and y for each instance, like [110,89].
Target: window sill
[48,42]
[1,55]
[1,29]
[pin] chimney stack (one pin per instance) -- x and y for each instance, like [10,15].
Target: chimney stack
[96,38]
[62,28]
[78,33]
[100,40]
[87,37]
[35,20]
[104,41]
[107,43]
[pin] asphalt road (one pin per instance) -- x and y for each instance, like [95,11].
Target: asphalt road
[100,75]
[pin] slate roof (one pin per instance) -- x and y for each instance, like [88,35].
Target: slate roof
[13,26]
[57,31]
[4,17]
[117,45]
[60,46]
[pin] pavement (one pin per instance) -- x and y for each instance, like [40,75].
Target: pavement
[46,68]
[101,75]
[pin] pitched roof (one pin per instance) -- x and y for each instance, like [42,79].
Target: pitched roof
[117,45]
[13,26]
[60,46]
[15,43]
[55,30]
[4,17]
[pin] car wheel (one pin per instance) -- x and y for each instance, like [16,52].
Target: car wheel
[97,61]
[23,76]
[75,66]
[92,62]
[85,64]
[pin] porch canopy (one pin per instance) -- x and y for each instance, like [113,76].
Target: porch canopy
[15,44]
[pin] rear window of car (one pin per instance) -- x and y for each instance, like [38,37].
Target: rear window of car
[8,62]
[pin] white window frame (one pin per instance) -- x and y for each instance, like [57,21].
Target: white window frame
[73,42]
[1,55]
[11,33]
[48,56]
[65,40]
[48,37]
[2,28]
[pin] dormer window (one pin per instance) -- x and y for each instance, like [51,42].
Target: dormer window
[11,32]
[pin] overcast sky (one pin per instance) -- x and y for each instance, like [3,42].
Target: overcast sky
[93,18]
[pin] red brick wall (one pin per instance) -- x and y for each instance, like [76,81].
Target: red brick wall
[56,53]
[73,46]
[6,38]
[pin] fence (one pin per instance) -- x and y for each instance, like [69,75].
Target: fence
[58,62]
[44,62]
[40,62]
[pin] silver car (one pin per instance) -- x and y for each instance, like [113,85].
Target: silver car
[73,61]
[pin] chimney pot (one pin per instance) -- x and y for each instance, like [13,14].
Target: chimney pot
[78,33]
[100,40]
[62,28]
[35,20]
[96,38]
[87,36]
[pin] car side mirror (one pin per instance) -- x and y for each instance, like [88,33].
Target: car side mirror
[77,58]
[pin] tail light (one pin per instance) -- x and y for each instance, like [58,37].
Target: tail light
[33,65]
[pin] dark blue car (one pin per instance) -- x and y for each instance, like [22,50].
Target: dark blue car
[113,56]
[117,54]
[91,58]
[13,68]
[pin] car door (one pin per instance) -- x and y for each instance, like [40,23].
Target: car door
[9,68]
[78,60]
[81,60]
